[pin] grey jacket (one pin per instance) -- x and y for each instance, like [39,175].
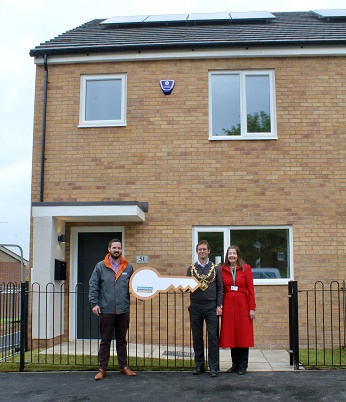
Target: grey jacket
[108,291]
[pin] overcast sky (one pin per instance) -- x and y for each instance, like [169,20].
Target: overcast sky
[27,23]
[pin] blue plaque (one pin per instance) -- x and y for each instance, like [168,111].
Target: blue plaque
[167,86]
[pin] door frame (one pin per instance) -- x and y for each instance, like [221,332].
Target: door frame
[74,266]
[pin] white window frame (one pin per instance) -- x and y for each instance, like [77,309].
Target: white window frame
[227,241]
[243,115]
[102,123]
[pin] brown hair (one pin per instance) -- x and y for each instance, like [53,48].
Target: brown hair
[203,242]
[114,241]
[240,260]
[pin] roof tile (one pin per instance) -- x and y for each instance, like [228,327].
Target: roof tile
[286,29]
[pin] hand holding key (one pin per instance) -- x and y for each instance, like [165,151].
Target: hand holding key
[146,283]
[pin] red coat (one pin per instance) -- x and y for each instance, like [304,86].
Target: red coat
[236,325]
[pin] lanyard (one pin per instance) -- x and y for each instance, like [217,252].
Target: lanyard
[234,274]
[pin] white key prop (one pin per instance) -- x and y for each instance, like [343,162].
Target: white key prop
[146,283]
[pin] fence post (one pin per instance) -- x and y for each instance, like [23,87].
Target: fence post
[23,322]
[293,323]
[343,289]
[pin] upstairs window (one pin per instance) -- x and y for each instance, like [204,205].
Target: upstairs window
[103,100]
[242,105]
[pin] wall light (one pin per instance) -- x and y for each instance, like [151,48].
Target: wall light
[62,238]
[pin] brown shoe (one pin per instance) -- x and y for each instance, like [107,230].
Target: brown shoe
[101,373]
[127,371]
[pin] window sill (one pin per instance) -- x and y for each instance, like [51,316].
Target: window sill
[282,281]
[88,125]
[234,138]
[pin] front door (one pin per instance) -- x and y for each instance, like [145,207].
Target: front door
[92,248]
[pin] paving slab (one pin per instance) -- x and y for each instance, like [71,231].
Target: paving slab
[259,360]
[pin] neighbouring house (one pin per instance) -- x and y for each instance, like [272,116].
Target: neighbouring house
[13,267]
[164,130]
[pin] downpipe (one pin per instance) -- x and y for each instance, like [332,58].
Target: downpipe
[44,119]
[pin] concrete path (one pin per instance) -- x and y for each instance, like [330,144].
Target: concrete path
[259,360]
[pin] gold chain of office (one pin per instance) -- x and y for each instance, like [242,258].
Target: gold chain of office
[205,280]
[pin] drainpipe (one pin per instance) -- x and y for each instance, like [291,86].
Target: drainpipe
[44,113]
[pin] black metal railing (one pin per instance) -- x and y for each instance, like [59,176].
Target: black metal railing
[55,326]
[10,320]
[293,323]
[318,329]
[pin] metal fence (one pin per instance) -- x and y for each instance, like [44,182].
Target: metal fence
[159,336]
[53,326]
[318,325]
[10,320]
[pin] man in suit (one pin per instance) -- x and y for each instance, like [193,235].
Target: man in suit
[205,305]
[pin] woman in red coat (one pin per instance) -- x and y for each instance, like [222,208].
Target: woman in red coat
[238,310]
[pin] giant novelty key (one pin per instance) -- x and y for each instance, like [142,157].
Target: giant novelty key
[146,283]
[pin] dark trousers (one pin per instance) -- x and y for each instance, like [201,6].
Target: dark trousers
[240,357]
[113,324]
[199,314]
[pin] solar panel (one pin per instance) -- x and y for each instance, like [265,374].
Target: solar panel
[330,13]
[252,15]
[125,20]
[167,18]
[208,16]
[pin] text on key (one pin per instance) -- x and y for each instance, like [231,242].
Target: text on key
[146,283]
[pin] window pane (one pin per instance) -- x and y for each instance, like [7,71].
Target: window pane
[266,250]
[258,104]
[103,99]
[225,104]
[215,240]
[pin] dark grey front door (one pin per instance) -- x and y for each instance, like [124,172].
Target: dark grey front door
[92,248]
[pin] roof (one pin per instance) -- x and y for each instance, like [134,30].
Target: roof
[286,29]
[13,255]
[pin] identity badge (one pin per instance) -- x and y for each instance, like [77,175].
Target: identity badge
[234,288]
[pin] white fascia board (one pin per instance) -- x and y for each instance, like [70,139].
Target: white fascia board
[91,213]
[290,51]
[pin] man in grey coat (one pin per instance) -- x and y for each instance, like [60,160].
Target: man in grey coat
[110,300]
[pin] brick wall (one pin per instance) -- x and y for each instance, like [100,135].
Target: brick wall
[163,156]
[9,272]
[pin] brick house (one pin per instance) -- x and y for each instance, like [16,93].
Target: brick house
[248,148]
[11,266]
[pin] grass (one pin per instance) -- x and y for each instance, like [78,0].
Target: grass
[8,320]
[36,362]
[322,358]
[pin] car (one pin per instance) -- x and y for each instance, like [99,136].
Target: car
[266,273]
